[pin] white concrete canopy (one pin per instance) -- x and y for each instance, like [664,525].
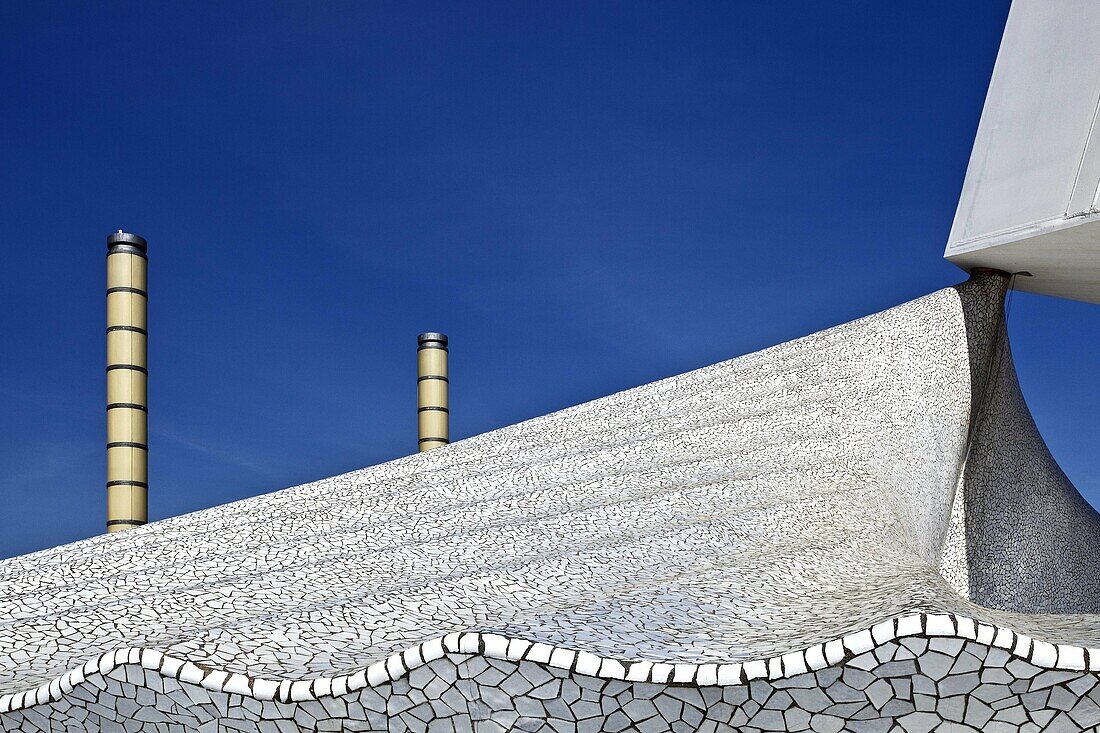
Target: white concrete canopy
[1031,198]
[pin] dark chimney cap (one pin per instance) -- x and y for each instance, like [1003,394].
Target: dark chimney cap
[432,340]
[125,238]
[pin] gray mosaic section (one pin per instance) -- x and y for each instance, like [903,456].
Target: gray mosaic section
[1031,540]
[1021,537]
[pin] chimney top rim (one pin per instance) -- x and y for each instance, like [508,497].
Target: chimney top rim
[432,336]
[127,238]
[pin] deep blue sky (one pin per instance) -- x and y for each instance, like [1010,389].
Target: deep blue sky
[585,197]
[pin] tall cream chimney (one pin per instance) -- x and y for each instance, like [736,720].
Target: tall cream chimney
[431,391]
[127,408]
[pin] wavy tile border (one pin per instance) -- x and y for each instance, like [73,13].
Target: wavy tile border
[1039,653]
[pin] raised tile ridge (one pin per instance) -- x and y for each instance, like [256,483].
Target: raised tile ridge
[1039,653]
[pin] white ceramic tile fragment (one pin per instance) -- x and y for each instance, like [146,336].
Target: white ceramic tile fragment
[517,648]
[966,627]
[188,672]
[215,679]
[729,674]
[612,669]
[264,689]
[432,649]
[1071,657]
[496,646]
[540,653]
[300,691]
[588,664]
[707,674]
[1023,645]
[939,624]
[683,673]
[237,684]
[339,686]
[794,663]
[395,668]
[469,643]
[639,671]
[377,674]
[755,669]
[883,631]
[1044,655]
[834,651]
[859,642]
[909,625]
[660,672]
[562,658]
[1004,639]
[815,657]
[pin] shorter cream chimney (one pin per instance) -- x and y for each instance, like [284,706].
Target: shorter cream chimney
[433,415]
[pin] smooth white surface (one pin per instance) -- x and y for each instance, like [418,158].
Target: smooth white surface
[1029,201]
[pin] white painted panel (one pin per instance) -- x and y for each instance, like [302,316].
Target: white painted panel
[1083,200]
[1034,171]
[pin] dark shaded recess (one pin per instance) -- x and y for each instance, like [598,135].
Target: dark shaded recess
[1032,541]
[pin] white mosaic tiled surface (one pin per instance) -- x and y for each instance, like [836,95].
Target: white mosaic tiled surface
[734,515]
